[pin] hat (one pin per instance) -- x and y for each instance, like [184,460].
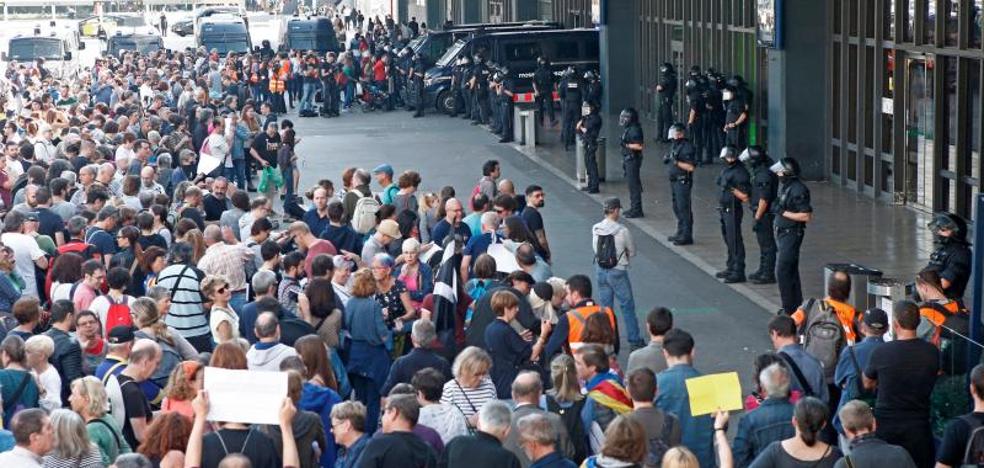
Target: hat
[342,262]
[390,228]
[383,168]
[30,215]
[613,204]
[876,318]
[121,334]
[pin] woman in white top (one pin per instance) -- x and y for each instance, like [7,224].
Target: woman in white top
[38,349]
[218,143]
[223,322]
[44,150]
[66,271]
[471,386]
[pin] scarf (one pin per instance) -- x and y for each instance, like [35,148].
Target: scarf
[607,390]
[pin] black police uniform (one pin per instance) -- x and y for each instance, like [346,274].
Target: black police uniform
[712,124]
[593,90]
[416,88]
[631,164]
[506,90]
[466,93]
[681,184]
[794,197]
[765,184]
[455,90]
[591,125]
[480,93]
[953,261]
[695,130]
[543,80]
[495,124]
[664,108]
[733,177]
[571,97]
[329,89]
[734,108]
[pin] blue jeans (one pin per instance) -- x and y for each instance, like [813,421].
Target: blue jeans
[349,93]
[237,173]
[237,301]
[308,91]
[614,283]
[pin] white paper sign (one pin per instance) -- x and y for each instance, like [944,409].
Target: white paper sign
[243,396]
[505,261]
[208,163]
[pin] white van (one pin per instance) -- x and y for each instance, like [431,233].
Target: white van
[60,51]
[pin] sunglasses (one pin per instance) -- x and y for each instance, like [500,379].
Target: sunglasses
[222,290]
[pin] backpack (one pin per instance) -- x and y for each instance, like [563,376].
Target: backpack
[974,451]
[823,335]
[475,288]
[658,446]
[170,358]
[364,214]
[7,323]
[946,337]
[118,314]
[571,417]
[606,256]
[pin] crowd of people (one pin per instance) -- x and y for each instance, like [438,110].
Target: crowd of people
[137,250]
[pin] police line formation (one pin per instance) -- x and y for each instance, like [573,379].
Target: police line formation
[134,255]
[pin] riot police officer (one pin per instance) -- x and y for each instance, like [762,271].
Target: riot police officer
[479,86]
[506,91]
[329,86]
[696,116]
[465,86]
[793,211]
[457,74]
[632,146]
[666,93]
[680,164]
[709,125]
[592,88]
[764,187]
[543,87]
[736,117]
[589,127]
[494,87]
[735,183]
[951,257]
[416,87]
[716,112]
[571,96]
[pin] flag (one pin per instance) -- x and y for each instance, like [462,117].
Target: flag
[446,300]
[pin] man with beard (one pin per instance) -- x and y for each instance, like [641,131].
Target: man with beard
[534,220]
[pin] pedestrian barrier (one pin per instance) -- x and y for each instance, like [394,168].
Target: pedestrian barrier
[885,293]
[525,129]
[528,98]
[860,276]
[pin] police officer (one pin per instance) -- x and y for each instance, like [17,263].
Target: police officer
[715,133]
[543,87]
[952,257]
[666,93]
[494,86]
[506,91]
[416,88]
[793,211]
[589,127]
[465,87]
[735,183]
[710,127]
[696,116]
[680,164]
[592,88]
[457,74]
[571,97]
[736,117]
[329,86]
[632,146]
[764,187]
[479,85]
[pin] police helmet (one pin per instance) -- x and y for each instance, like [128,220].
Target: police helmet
[569,71]
[788,167]
[504,71]
[949,222]
[589,75]
[628,116]
[465,60]
[690,85]
[667,68]
[753,154]
[735,81]
[541,60]
[694,71]
[729,152]
[710,73]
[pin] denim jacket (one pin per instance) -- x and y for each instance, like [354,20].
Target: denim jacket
[768,423]
[239,142]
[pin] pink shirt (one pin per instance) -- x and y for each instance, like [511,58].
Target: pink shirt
[316,248]
[84,295]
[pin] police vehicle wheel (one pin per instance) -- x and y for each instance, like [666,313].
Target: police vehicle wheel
[445,102]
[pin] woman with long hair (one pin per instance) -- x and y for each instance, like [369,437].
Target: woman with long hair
[625,445]
[317,307]
[88,399]
[129,255]
[565,396]
[153,260]
[14,374]
[182,387]
[66,271]
[71,445]
[166,439]
[318,392]
[805,448]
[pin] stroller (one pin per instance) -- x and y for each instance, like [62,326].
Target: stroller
[372,97]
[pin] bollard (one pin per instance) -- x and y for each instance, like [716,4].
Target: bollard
[524,126]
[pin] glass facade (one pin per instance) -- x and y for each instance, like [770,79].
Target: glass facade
[906,109]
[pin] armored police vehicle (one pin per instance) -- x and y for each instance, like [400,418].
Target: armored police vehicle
[517,51]
[317,34]
[224,33]
[143,43]
[435,43]
[59,50]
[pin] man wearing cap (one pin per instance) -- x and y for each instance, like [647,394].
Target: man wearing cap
[387,231]
[120,340]
[847,375]
[384,177]
[612,276]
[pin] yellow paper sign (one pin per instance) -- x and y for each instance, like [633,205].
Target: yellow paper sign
[710,393]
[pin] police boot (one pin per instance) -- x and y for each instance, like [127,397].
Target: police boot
[723,274]
[764,278]
[734,277]
[755,274]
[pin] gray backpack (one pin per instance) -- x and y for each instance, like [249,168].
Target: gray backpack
[823,335]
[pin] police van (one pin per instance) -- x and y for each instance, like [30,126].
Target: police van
[435,43]
[518,52]
[317,34]
[224,33]
[142,43]
[59,49]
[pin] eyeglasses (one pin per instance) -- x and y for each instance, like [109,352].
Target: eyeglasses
[222,290]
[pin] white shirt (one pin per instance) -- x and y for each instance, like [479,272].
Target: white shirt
[26,251]
[51,383]
[220,315]
[21,458]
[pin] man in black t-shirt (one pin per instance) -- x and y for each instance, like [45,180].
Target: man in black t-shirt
[265,146]
[904,372]
[144,358]
[216,202]
[957,434]
[534,220]
[398,445]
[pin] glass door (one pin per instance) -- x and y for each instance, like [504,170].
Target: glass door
[920,139]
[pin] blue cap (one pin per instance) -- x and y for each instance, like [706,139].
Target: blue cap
[383,168]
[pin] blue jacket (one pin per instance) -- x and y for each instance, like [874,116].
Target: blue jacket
[812,371]
[845,375]
[553,460]
[321,400]
[770,422]
[348,457]
[239,142]
[697,432]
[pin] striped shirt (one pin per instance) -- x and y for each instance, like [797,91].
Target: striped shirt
[468,400]
[186,316]
[91,459]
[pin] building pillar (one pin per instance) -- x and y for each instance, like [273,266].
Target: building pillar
[525,10]
[617,43]
[798,120]
[436,14]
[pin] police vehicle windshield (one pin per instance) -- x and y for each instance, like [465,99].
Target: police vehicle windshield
[304,43]
[35,48]
[231,46]
[451,54]
[144,46]
[131,21]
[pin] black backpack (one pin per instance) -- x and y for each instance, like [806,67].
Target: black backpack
[571,417]
[658,446]
[974,451]
[606,256]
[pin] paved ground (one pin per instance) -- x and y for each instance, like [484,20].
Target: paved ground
[729,328]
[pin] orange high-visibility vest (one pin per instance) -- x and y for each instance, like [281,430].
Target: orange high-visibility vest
[576,319]
[277,85]
[937,317]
